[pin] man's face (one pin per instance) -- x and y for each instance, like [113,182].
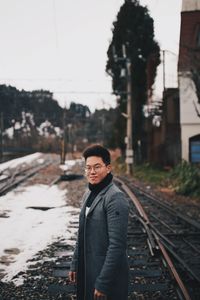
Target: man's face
[95,169]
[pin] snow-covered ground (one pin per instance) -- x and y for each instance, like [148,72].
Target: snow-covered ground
[70,163]
[25,230]
[13,163]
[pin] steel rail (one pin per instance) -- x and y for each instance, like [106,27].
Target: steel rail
[168,208]
[163,223]
[182,262]
[192,246]
[14,183]
[14,173]
[173,246]
[151,241]
[146,220]
[172,268]
[133,198]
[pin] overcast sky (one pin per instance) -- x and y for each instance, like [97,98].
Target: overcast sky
[61,45]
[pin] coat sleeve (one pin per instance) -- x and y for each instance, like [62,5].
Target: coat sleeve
[117,209]
[74,262]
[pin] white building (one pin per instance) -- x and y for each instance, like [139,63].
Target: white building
[189,63]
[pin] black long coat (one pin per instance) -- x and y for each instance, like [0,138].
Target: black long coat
[105,242]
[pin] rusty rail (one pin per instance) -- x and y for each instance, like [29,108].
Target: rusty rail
[147,225]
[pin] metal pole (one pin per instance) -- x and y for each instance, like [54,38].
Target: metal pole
[129,146]
[128,115]
[69,138]
[63,150]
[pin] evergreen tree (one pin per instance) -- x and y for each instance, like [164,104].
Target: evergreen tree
[133,29]
[40,103]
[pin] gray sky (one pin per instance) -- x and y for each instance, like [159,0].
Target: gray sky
[61,45]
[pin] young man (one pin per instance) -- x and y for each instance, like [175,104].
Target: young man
[99,265]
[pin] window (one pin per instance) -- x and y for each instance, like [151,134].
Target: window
[195,149]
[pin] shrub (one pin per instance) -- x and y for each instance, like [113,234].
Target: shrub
[185,179]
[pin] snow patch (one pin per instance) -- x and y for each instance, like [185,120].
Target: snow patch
[13,163]
[32,230]
[70,163]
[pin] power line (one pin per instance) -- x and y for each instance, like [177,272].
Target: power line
[82,92]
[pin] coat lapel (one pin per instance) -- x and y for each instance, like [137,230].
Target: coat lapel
[98,198]
[84,200]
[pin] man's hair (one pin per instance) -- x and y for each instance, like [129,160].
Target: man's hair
[97,150]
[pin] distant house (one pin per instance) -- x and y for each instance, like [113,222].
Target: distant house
[189,80]
[163,139]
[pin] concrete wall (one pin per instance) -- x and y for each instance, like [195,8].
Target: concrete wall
[188,60]
[190,122]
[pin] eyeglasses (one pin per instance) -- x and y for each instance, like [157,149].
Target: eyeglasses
[95,168]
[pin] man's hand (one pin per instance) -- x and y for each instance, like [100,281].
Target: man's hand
[72,276]
[99,295]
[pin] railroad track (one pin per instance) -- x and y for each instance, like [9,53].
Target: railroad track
[152,272]
[155,272]
[10,178]
[177,234]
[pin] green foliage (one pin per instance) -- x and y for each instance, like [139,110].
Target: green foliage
[185,179]
[150,174]
[135,30]
[100,127]
[145,173]
[39,102]
[31,109]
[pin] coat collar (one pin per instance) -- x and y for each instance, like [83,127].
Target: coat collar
[97,199]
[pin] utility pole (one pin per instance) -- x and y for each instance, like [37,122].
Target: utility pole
[129,133]
[63,150]
[128,114]
[70,141]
